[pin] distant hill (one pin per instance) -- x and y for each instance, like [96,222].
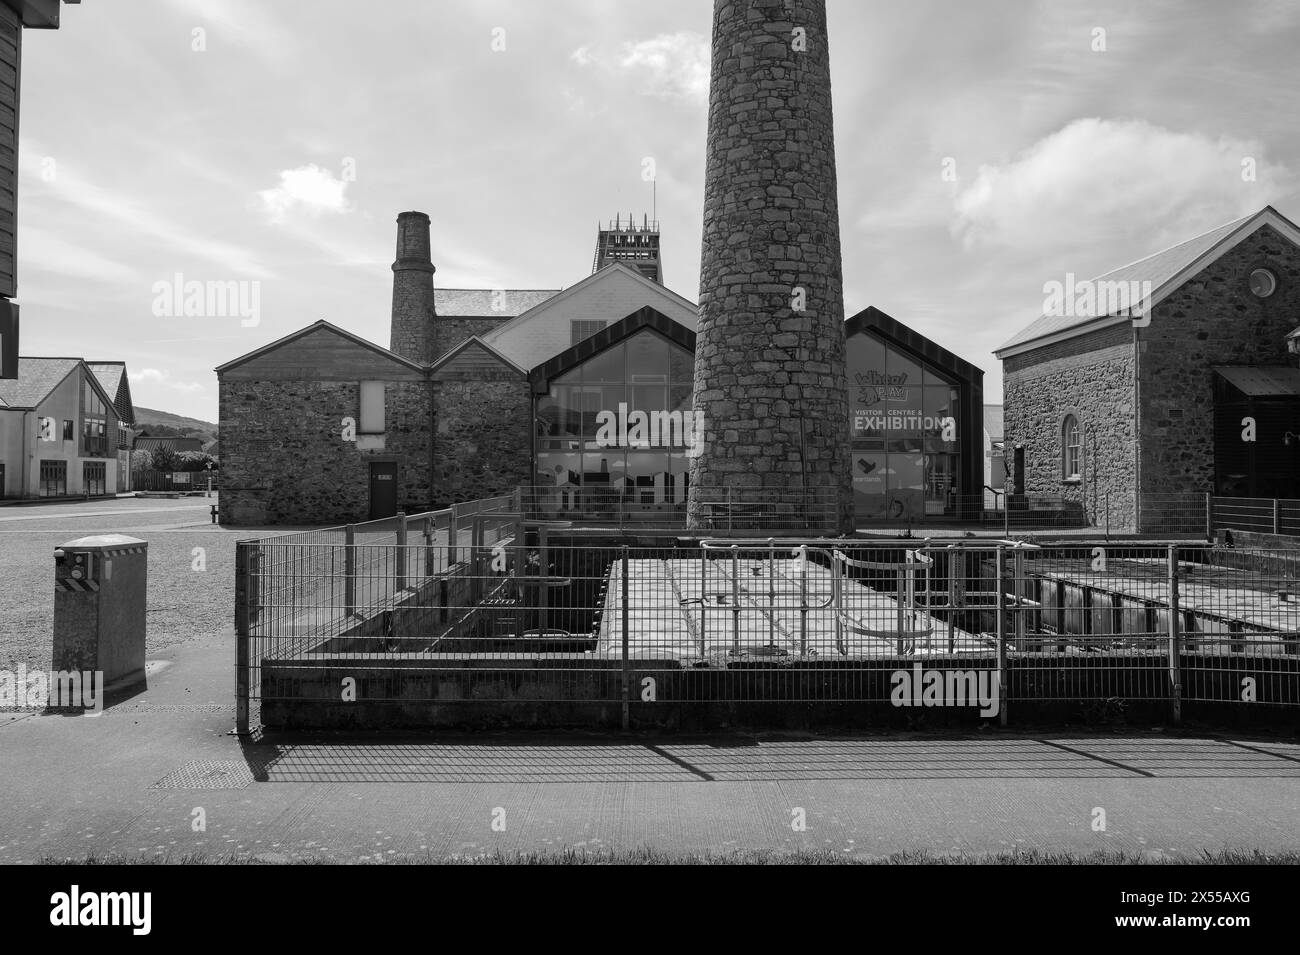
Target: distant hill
[166,424]
[149,418]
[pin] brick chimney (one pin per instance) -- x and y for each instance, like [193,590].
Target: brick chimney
[411,334]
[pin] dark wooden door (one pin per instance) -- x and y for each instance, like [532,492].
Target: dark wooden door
[383,489]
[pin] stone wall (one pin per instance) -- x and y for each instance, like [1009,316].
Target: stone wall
[1214,319]
[450,332]
[1092,378]
[482,438]
[769,376]
[284,460]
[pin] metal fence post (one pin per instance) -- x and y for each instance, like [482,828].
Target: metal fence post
[1209,516]
[543,591]
[452,529]
[803,600]
[475,557]
[430,566]
[704,601]
[1107,515]
[627,676]
[350,570]
[242,636]
[1175,650]
[1002,638]
[771,591]
[735,599]
[1276,525]
[1018,583]
[900,598]
[401,552]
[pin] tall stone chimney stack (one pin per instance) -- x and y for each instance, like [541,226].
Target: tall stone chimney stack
[769,353]
[412,331]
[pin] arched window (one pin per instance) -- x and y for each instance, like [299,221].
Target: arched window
[1070,445]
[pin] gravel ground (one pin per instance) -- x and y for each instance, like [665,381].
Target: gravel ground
[182,602]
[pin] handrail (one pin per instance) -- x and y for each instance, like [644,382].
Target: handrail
[762,543]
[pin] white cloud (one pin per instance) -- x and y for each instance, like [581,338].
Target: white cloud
[310,188]
[670,65]
[1098,180]
[162,379]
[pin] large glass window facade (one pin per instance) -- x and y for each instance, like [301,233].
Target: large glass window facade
[616,430]
[904,420]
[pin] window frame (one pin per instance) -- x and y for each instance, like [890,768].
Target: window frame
[1071,453]
[366,420]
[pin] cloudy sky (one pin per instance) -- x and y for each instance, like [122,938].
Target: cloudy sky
[251,142]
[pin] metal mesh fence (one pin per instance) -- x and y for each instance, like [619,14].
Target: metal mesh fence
[517,614]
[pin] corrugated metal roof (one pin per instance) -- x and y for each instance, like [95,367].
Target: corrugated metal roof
[478,302]
[1261,381]
[145,442]
[37,377]
[1156,269]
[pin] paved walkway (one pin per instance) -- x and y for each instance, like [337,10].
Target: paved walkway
[133,779]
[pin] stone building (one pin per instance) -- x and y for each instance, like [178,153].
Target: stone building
[1132,398]
[542,389]
[323,426]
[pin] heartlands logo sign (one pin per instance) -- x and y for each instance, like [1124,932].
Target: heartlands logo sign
[873,387]
[920,687]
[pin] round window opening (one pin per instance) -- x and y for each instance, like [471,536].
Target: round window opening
[1263,283]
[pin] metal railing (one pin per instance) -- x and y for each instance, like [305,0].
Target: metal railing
[720,510]
[292,589]
[1257,514]
[523,616]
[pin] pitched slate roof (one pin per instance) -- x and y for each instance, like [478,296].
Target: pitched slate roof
[37,377]
[1165,270]
[478,302]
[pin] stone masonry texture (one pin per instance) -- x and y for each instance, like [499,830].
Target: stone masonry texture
[769,378]
[1090,377]
[1213,319]
[284,461]
[482,439]
[1145,396]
